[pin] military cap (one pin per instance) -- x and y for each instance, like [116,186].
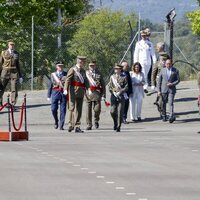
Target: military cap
[11,42]
[118,66]
[164,54]
[92,64]
[81,57]
[143,33]
[59,63]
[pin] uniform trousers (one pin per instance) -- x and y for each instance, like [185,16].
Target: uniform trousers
[117,110]
[57,98]
[6,76]
[75,112]
[96,107]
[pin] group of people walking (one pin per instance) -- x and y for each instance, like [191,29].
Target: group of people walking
[127,86]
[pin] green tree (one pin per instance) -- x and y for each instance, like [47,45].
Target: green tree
[19,12]
[103,35]
[194,18]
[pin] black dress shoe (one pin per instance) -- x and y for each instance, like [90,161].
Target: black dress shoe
[78,130]
[56,125]
[139,119]
[145,91]
[172,119]
[118,129]
[125,122]
[96,124]
[164,118]
[70,129]
[62,129]
[89,128]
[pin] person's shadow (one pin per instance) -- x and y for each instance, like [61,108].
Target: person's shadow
[186,99]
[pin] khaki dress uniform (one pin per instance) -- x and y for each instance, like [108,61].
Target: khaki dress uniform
[76,86]
[118,86]
[96,91]
[10,71]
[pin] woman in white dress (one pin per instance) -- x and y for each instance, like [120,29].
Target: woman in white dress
[138,81]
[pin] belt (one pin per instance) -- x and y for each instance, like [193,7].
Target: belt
[58,89]
[77,84]
[94,88]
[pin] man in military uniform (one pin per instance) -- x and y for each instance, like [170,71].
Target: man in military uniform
[118,86]
[144,54]
[129,92]
[160,63]
[75,86]
[162,57]
[10,71]
[55,92]
[95,93]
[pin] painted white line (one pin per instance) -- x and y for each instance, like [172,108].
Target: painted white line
[50,155]
[195,150]
[92,172]
[130,193]
[142,199]
[69,162]
[63,160]
[76,165]
[39,150]
[57,158]
[100,177]
[110,182]
[84,168]
[45,153]
[119,188]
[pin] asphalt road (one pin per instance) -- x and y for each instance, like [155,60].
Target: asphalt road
[151,160]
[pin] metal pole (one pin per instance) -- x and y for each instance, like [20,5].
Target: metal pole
[25,116]
[139,24]
[9,123]
[131,48]
[59,23]
[128,47]
[171,39]
[32,54]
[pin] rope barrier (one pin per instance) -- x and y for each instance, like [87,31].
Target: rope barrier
[21,117]
[12,115]
[3,106]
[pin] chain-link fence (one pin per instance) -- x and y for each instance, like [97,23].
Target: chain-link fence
[46,52]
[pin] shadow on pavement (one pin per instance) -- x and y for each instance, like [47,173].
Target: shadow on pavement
[187,99]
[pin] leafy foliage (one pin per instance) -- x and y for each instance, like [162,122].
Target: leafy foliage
[103,36]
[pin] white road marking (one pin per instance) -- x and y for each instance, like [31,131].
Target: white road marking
[100,177]
[84,168]
[76,165]
[142,199]
[130,193]
[69,162]
[91,172]
[56,158]
[50,155]
[110,182]
[45,153]
[195,150]
[39,150]
[62,159]
[119,188]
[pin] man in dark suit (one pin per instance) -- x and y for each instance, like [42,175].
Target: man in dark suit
[55,92]
[10,71]
[168,79]
[129,92]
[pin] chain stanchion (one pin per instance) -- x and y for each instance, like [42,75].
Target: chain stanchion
[9,121]
[25,116]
